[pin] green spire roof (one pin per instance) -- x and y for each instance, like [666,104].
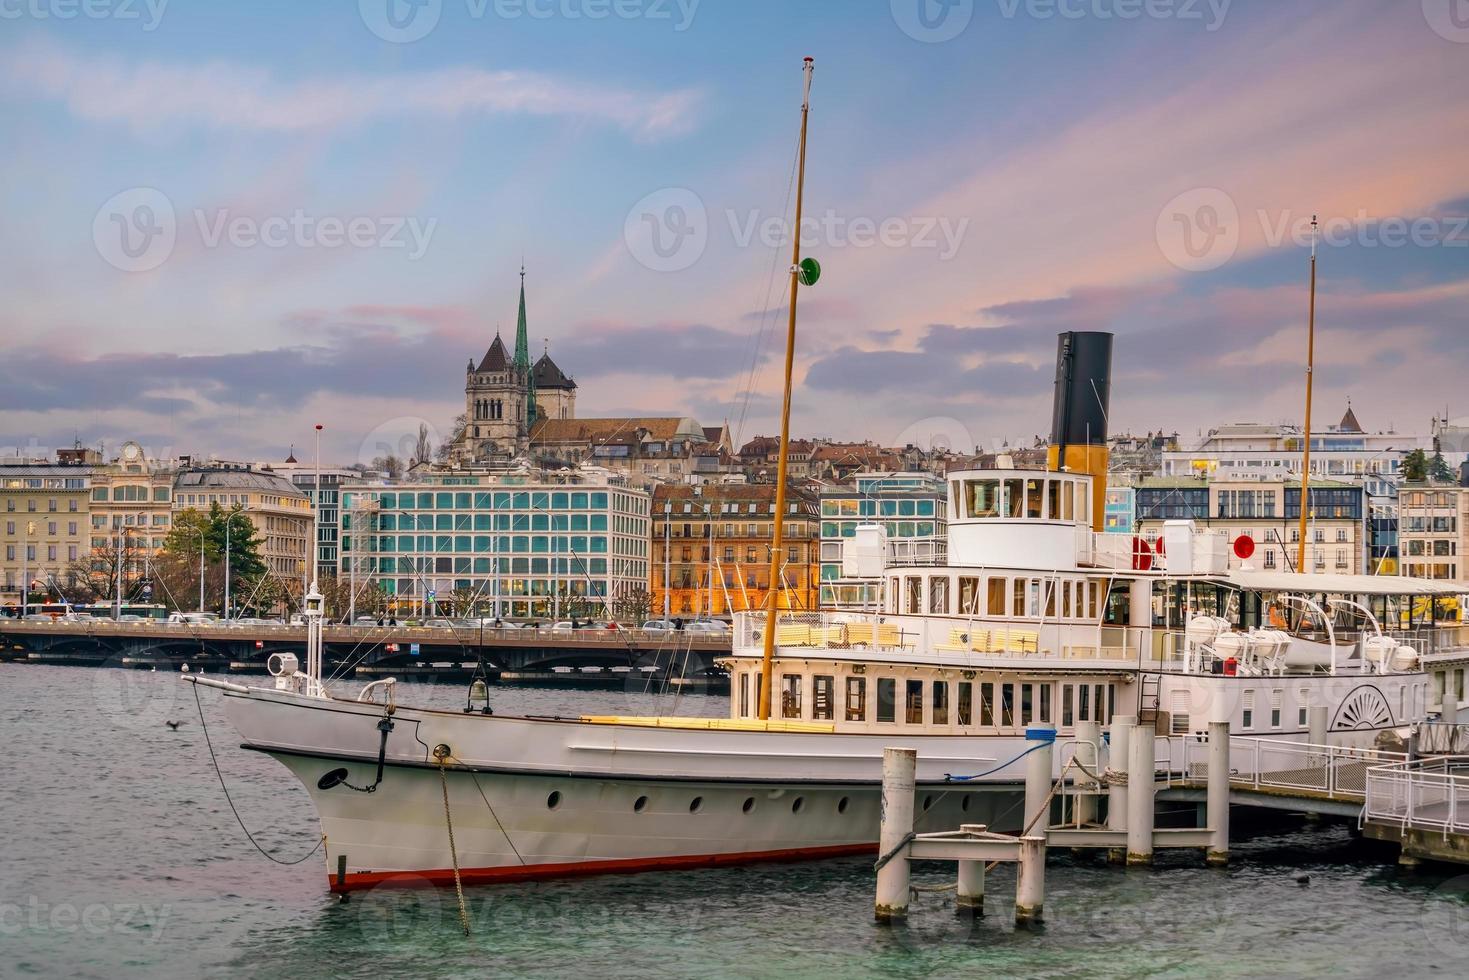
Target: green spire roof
[522,357]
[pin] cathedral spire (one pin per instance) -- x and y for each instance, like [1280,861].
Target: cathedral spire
[522,356]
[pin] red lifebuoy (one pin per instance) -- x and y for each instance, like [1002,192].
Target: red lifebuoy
[1231,667]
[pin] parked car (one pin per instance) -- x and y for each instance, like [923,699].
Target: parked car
[659,626]
[441,624]
[193,618]
[708,626]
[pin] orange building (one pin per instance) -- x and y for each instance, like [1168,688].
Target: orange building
[711,549]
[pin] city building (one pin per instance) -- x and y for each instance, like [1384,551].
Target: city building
[711,549]
[131,496]
[648,450]
[911,507]
[1433,531]
[1119,511]
[1268,513]
[517,544]
[305,476]
[44,520]
[280,513]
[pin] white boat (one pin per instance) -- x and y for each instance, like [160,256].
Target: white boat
[1036,625]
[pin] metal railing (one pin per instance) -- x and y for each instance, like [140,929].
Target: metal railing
[1442,738]
[1338,772]
[1426,794]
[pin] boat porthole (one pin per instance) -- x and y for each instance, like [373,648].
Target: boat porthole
[641,802]
[927,802]
[554,800]
[964,804]
[796,806]
[842,805]
[749,804]
[696,804]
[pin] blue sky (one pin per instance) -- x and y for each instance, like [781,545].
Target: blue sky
[1079,164]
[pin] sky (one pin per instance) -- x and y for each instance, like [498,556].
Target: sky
[229,222]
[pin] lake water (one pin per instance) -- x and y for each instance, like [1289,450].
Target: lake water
[120,858]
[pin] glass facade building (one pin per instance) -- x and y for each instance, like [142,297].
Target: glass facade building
[912,507]
[501,544]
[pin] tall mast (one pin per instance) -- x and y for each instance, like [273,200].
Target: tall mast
[1310,364]
[777,547]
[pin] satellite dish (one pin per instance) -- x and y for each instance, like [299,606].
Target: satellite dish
[809,271]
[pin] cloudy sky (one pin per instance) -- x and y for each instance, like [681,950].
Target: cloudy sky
[225,223]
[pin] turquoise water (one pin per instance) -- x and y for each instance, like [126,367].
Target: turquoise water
[120,858]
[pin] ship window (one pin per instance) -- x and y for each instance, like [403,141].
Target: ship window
[1083,703]
[1035,599]
[984,498]
[987,705]
[1055,490]
[893,595]
[996,597]
[744,694]
[1045,704]
[968,597]
[1094,592]
[1027,704]
[1098,710]
[790,695]
[964,704]
[1068,500]
[1247,715]
[913,703]
[1034,492]
[1007,705]
[823,690]
[938,594]
[1015,498]
[887,696]
[1051,587]
[1303,718]
[1275,697]
[1083,512]
[940,707]
[1066,608]
[1068,717]
[914,595]
[1018,609]
[856,699]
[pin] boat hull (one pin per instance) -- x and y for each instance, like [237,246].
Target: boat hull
[520,809]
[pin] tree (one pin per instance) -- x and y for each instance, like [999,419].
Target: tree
[1415,467]
[390,464]
[446,448]
[423,448]
[1438,469]
[178,564]
[632,604]
[94,578]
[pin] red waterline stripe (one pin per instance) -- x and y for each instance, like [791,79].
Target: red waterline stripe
[356,880]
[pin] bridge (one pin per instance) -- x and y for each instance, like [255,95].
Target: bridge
[370,651]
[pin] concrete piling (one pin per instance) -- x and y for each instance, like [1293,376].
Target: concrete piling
[1118,745]
[1039,770]
[1140,769]
[898,769]
[1030,880]
[1217,805]
[969,895]
[1088,757]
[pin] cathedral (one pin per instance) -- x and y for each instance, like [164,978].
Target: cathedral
[505,396]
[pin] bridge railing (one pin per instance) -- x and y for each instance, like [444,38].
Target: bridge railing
[1281,766]
[1425,794]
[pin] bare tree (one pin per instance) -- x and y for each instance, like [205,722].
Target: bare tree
[423,449]
[390,464]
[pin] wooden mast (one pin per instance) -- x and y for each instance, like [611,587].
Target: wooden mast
[1310,365]
[777,546]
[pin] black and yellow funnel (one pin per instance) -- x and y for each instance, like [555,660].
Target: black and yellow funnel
[1079,413]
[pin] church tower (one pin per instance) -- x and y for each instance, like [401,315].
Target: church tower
[501,395]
